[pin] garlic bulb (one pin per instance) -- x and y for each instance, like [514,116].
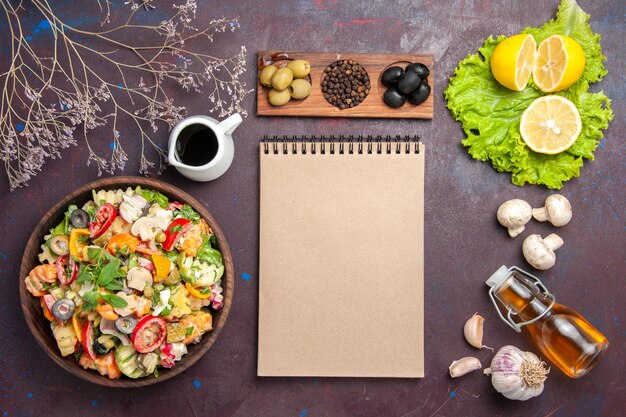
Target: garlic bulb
[516,374]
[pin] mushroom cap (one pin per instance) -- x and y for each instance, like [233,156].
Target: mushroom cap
[537,253]
[558,209]
[514,213]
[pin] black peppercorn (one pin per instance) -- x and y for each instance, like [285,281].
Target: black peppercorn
[345,84]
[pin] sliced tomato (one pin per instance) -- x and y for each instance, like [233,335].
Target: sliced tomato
[62,265]
[174,232]
[149,334]
[104,217]
[88,339]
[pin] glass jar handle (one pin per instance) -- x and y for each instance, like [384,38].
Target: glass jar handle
[509,315]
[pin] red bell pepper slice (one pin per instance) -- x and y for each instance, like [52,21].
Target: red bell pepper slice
[61,264]
[174,231]
[88,339]
[149,334]
[104,217]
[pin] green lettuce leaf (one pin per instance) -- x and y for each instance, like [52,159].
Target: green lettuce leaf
[490,114]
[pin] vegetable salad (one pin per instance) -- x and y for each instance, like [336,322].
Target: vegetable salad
[127,281]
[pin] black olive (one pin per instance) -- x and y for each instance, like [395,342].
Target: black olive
[420,69]
[394,98]
[99,348]
[408,82]
[79,219]
[391,75]
[126,325]
[420,94]
[63,309]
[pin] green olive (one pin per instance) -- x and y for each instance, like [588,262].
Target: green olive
[279,98]
[299,67]
[266,75]
[282,79]
[300,89]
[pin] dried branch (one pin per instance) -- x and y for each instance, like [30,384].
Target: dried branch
[46,98]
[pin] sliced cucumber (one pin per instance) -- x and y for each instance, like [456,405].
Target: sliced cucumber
[57,293]
[126,360]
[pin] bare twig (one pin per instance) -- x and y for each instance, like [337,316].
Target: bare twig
[46,97]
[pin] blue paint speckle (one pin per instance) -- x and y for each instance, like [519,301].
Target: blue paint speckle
[196,384]
[29,395]
[5,414]
[120,85]
[452,394]
[36,30]
[245,276]
[19,127]
[28,38]
[112,146]
[602,144]
[43,24]
[94,403]
[304,412]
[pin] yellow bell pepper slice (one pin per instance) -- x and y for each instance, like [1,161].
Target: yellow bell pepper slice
[78,240]
[122,242]
[78,328]
[162,265]
[195,292]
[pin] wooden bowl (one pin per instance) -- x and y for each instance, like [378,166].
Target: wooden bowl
[40,326]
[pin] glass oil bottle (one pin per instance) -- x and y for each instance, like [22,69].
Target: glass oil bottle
[565,337]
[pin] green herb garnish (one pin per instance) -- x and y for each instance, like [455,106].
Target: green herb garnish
[114,300]
[90,300]
[187,212]
[208,254]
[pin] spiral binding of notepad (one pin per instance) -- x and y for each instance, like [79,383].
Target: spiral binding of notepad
[341,144]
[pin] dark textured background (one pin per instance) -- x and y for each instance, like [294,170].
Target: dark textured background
[464,244]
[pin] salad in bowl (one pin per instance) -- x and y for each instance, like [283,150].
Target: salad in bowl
[128,281]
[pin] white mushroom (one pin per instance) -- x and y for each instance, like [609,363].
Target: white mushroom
[138,278]
[557,211]
[131,304]
[540,252]
[514,214]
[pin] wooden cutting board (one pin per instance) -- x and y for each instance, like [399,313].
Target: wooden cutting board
[373,106]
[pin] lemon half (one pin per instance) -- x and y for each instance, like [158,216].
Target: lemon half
[560,63]
[513,60]
[550,125]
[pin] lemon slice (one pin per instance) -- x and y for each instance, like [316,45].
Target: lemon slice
[560,63]
[550,124]
[513,60]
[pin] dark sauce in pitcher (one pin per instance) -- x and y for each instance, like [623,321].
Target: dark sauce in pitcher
[196,145]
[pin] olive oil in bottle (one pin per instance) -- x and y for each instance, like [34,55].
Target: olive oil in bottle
[565,337]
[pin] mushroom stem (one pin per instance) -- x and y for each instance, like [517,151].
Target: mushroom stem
[553,241]
[540,214]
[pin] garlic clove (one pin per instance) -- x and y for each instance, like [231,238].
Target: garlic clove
[473,331]
[464,366]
